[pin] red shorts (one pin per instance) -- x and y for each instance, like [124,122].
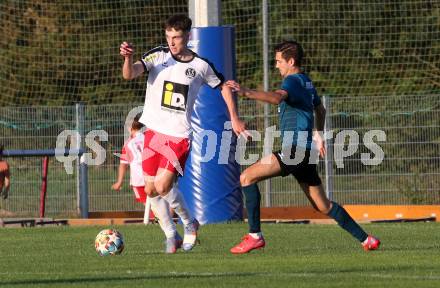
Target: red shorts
[139,194]
[164,151]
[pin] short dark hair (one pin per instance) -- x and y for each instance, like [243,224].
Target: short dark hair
[136,125]
[291,49]
[179,22]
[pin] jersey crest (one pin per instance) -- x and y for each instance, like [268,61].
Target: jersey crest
[190,73]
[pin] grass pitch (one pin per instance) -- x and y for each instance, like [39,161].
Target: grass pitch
[295,256]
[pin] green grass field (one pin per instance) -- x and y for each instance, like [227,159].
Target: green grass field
[295,256]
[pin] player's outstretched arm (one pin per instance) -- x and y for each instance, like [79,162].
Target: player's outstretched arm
[130,70]
[238,125]
[275,97]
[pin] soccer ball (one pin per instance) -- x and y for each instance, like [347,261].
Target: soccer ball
[109,242]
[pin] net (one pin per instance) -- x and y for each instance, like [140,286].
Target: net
[364,48]
[377,60]
[62,52]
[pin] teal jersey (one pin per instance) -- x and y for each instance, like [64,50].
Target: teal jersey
[296,111]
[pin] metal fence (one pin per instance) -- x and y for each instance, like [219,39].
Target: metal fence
[384,56]
[408,174]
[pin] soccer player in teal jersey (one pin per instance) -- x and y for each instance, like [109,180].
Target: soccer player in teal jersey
[298,102]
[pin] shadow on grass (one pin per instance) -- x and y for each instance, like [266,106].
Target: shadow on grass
[340,272]
[182,275]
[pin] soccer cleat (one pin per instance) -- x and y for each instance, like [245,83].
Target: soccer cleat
[190,236]
[172,244]
[372,243]
[249,243]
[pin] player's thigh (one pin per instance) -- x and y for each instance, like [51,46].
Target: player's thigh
[164,180]
[150,157]
[263,169]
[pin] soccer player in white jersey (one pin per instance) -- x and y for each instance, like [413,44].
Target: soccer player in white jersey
[175,75]
[131,159]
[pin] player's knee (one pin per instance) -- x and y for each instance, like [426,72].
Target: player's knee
[245,180]
[150,191]
[324,207]
[162,188]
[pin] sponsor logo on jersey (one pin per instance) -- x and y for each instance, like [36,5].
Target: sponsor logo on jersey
[150,57]
[190,73]
[309,85]
[174,96]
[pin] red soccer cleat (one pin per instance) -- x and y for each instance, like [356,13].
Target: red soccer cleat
[249,243]
[372,243]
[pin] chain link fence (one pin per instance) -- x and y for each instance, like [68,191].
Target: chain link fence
[376,63]
[408,174]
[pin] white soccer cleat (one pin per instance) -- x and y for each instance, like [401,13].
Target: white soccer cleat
[190,236]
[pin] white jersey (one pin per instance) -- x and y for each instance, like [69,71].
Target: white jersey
[172,89]
[132,155]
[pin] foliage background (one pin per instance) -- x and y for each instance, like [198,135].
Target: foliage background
[59,53]
[377,62]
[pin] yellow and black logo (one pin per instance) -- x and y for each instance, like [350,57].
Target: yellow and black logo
[174,96]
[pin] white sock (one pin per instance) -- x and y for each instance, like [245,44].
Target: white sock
[176,201]
[256,235]
[162,212]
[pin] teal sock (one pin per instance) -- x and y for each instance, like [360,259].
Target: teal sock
[253,198]
[346,222]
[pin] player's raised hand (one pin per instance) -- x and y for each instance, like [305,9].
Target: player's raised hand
[235,87]
[126,49]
